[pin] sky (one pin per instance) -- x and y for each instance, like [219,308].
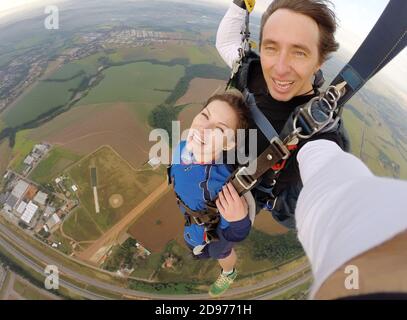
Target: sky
[356,19]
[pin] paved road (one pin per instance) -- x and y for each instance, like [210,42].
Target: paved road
[34,252]
[279,291]
[22,258]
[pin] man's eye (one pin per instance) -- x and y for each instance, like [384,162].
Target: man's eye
[205,115]
[300,53]
[221,130]
[271,49]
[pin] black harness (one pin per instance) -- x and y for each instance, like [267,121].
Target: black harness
[209,217]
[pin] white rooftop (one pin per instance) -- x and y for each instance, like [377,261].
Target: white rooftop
[20,189]
[29,212]
[41,197]
[53,221]
[20,209]
[40,147]
[28,160]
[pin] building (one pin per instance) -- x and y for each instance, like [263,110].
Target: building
[53,221]
[21,208]
[29,212]
[40,148]
[20,189]
[41,198]
[49,211]
[10,203]
[74,188]
[29,160]
[31,192]
[3,198]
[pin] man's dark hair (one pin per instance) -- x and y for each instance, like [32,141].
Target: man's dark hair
[319,11]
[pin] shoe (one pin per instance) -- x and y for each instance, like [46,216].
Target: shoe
[222,284]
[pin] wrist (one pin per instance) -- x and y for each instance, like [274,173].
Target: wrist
[240,3]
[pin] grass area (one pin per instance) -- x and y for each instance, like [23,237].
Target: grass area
[135,82]
[21,149]
[5,285]
[5,153]
[65,246]
[378,141]
[146,268]
[44,97]
[55,162]
[80,226]
[204,55]
[90,64]
[28,291]
[196,54]
[298,293]
[114,177]
[58,257]
[67,71]
[261,252]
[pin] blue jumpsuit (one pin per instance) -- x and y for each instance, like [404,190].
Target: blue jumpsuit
[195,184]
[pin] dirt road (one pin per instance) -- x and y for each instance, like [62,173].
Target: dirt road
[99,248]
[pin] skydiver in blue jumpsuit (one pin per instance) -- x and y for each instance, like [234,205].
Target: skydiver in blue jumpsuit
[197,181]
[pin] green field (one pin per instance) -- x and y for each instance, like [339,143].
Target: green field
[29,291]
[114,177]
[135,83]
[195,54]
[80,226]
[53,164]
[67,71]
[259,253]
[21,149]
[41,99]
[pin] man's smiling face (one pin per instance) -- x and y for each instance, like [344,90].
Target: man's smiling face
[289,54]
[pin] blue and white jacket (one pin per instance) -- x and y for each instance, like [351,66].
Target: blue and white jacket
[196,184]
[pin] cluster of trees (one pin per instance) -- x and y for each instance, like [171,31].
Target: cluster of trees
[278,249]
[162,287]
[207,71]
[122,256]
[162,117]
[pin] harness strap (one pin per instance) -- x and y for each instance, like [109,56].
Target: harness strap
[208,218]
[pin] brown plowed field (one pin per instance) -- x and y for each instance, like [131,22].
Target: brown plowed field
[200,90]
[161,223]
[83,129]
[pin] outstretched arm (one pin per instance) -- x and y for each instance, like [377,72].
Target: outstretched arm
[228,37]
[344,210]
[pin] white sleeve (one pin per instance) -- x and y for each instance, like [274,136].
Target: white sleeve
[343,209]
[228,37]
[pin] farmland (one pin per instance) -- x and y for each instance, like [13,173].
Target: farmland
[114,177]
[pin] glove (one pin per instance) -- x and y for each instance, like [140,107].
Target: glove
[245,4]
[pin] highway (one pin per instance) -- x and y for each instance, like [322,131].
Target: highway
[124,292]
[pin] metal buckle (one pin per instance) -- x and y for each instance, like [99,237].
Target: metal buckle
[241,172]
[284,152]
[274,204]
[306,114]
